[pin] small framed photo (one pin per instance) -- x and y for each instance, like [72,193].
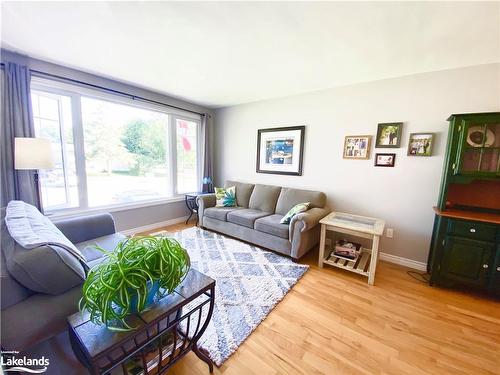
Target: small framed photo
[385,160]
[389,135]
[420,144]
[280,150]
[357,147]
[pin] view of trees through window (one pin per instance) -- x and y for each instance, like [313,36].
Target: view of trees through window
[125,153]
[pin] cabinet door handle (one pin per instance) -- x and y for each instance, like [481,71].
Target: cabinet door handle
[498,269]
[486,266]
[472,230]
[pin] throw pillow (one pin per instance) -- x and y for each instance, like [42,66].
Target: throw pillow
[37,254]
[226,197]
[301,207]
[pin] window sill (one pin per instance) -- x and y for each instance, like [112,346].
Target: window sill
[69,213]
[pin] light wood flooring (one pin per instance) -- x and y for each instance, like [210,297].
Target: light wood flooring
[332,322]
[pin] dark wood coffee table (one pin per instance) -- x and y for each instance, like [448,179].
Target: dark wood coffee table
[173,326]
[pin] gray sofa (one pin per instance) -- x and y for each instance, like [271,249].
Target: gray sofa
[256,218]
[29,317]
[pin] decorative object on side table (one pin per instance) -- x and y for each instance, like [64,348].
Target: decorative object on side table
[389,135]
[137,271]
[164,333]
[208,186]
[420,144]
[385,160]
[357,147]
[280,150]
[360,226]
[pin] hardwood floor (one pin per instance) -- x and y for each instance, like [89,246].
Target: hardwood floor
[332,322]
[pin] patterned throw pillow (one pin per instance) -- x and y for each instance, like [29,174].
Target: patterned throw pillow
[226,197]
[298,208]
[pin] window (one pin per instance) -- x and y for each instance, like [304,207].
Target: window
[112,151]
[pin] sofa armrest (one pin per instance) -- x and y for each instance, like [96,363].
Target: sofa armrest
[204,201]
[304,231]
[86,228]
[304,221]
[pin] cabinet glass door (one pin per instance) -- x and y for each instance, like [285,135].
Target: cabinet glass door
[479,151]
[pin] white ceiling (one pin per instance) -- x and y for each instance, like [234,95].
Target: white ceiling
[221,54]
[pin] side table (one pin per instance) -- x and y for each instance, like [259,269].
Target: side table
[190,200]
[354,225]
[164,333]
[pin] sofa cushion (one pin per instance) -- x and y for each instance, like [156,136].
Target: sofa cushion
[243,192]
[290,197]
[264,198]
[225,197]
[271,224]
[298,208]
[245,216]
[109,242]
[219,213]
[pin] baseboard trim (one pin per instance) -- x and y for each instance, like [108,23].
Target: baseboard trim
[421,266]
[149,227]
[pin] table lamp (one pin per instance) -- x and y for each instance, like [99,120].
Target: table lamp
[207,185]
[33,154]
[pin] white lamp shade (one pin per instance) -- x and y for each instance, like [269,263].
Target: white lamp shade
[33,153]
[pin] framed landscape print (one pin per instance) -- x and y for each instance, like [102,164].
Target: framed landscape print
[385,160]
[280,150]
[389,135]
[357,147]
[420,144]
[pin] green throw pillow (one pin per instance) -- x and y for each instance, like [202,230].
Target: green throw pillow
[226,197]
[298,208]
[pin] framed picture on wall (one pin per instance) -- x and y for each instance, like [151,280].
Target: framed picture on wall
[385,160]
[420,144]
[389,135]
[280,150]
[357,147]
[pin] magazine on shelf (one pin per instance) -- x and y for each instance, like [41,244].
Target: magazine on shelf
[135,365]
[347,250]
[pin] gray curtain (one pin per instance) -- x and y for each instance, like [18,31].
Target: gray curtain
[207,167]
[15,121]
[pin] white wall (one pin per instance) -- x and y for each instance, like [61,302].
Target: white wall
[403,195]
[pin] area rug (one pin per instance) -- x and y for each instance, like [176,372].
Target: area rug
[249,284]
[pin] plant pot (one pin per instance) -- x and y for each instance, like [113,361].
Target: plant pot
[153,288]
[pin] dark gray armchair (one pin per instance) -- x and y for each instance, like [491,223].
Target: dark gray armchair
[29,317]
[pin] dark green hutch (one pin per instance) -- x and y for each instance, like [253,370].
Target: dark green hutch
[465,246]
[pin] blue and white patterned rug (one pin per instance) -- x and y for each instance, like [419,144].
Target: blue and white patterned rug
[249,284]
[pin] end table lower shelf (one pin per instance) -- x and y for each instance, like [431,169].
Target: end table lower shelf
[352,225]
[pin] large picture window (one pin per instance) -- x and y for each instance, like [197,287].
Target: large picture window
[112,151]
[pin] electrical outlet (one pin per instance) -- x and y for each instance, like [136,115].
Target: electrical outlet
[389,233]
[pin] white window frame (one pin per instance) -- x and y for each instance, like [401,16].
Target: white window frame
[76,93]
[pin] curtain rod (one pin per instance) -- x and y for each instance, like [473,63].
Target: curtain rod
[133,97]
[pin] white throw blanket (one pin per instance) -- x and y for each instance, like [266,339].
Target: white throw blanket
[31,229]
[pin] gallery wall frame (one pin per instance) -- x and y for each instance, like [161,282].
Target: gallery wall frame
[280,150]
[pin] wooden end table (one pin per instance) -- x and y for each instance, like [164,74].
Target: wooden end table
[354,225]
[175,323]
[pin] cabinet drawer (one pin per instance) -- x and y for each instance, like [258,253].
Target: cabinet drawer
[473,229]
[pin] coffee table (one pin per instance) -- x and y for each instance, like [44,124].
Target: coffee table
[354,225]
[176,323]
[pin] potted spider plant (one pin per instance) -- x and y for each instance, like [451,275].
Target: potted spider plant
[129,279]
